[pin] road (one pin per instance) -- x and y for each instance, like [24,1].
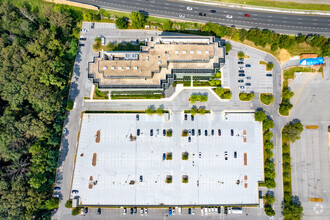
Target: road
[279,22]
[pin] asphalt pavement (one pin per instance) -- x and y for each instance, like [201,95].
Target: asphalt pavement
[279,22]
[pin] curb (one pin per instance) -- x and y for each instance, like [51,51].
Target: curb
[259,8]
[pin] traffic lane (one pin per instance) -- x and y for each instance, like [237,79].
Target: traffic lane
[301,21]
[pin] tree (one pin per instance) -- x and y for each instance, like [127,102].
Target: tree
[269,210]
[122,23]
[204,98]
[228,47]
[268,135]
[150,111]
[260,115]
[138,19]
[267,99]
[241,54]
[97,44]
[267,124]
[193,111]
[292,131]
[159,111]
[167,26]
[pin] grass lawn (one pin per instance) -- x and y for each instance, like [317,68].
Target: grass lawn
[201,83]
[289,73]
[100,95]
[151,96]
[279,4]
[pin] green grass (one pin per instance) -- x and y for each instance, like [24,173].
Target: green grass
[201,84]
[289,73]
[99,94]
[147,96]
[269,66]
[280,4]
[302,48]
[69,105]
[266,98]
[246,96]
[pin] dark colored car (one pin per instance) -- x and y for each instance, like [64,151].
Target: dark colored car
[141,178]
[226,210]
[205,132]
[164,156]
[137,117]
[240,81]
[170,211]
[213,11]
[269,75]
[189,211]
[248,84]
[241,75]
[246,15]
[219,210]
[83,38]
[151,132]
[138,132]
[192,117]
[193,132]
[212,132]
[240,62]
[189,139]
[202,14]
[81,45]
[57,188]
[241,71]
[232,132]
[235,154]
[131,211]
[164,132]
[247,65]
[86,210]
[135,210]
[219,132]
[199,132]
[75,191]
[185,117]
[99,211]
[92,26]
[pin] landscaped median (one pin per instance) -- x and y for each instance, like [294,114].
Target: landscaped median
[246,96]
[269,65]
[290,133]
[137,95]
[269,166]
[99,94]
[267,98]
[193,111]
[223,93]
[198,98]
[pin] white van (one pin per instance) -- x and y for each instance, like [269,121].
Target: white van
[236,210]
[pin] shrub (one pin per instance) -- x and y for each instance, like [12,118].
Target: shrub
[292,131]
[184,133]
[185,156]
[241,54]
[97,44]
[269,66]
[150,111]
[68,204]
[217,75]
[122,23]
[69,105]
[169,132]
[159,111]
[228,47]
[169,156]
[193,111]
[184,179]
[75,211]
[201,111]
[267,99]
[269,210]
[168,179]
[100,93]
[246,96]
[267,124]
[223,93]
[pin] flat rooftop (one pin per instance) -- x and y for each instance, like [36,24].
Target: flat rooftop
[111,157]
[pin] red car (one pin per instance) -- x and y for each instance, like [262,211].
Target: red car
[246,15]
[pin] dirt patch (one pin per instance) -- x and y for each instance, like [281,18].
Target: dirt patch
[94,160]
[98,136]
[311,126]
[75,4]
[284,55]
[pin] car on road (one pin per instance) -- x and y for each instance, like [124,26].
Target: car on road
[189,8]
[269,75]
[202,14]
[124,211]
[240,81]
[164,156]
[248,78]
[226,155]
[241,87]
[170,211]
[247,65]
[57,188]
[247,84]
[229,16]
[247,15]
[182,16]
[185,117]
[213,11]
[240,62]
[151,132]
[241,75]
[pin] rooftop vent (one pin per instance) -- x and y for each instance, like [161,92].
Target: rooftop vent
[131,56]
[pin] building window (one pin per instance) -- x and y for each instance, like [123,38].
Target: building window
[120,68]
[184,51]
[199,51]
[112,67]
[135,67]
[192,52]
[128,67]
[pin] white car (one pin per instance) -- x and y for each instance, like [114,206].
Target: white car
[241,87]
[145,210]
[103,40]
[193,211]
[182,16]
[202,211]
[229,16]
[179,210]
[189,8]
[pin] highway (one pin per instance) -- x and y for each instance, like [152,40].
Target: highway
[279,22]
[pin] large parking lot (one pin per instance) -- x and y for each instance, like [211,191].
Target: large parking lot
[129,164]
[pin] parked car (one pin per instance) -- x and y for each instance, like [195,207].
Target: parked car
[202,14]
[192,118]
[219,132]
[247,84]
[142,211]
[235,154]
[199,132]
[170,211]
[241,75]
[83,38]
[81,45]
[124,211]
[241,59]
[131,211]
[226,155]
[92,27]
[269,75]
[219,210]
[241,87]
[232,132]
[182,16]
[189,8]
[189,139]
[240,62]
[193,132]
[189,211]
[185,117]
[164,132]
[137,117]
[229,16]
[138,132]
[145,210]
[57,188]
[205,132]
[151,132]
[200,154]
[202,211]
[240,81]
[213,11]
[246,15]
[141,178]
[247,65]
[179,210]
[241,71]
[193,211]
[135,210]
[164,156]
[212,132]
[248,78]
[81,211]
[103,40]
[173,211]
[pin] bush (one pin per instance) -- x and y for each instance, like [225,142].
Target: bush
[260,115]
[223,93]
[241,54]
[68,204]
[75,211]
[269,66]
[267,99]
[228,47]
[122,23]
[150,111]
[246,96]
[184,133]
[138,19]
[184,179]
[292,131]
[269,210]
[69,105]
[97,44]
[194,98]
[168,179]
[169,156]
[51,203]
[267,124]
[100,94]
[169,132]
[167,26]
[185,156]
[159,111]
